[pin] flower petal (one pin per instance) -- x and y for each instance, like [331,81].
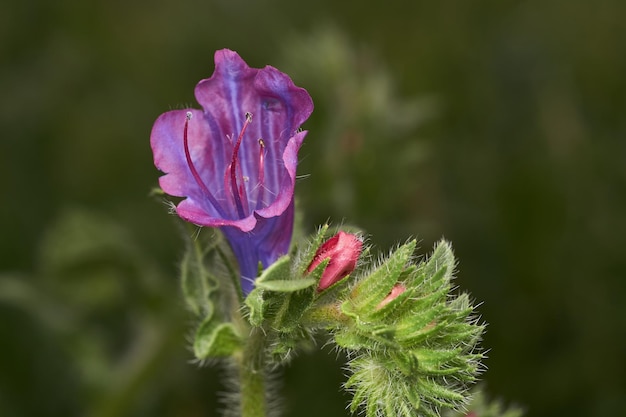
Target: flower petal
[269,240]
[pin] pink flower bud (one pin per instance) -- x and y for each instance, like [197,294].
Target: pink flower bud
[343,251]
[395,292]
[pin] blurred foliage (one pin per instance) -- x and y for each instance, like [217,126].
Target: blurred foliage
[361,127]
[93,331]
[481,406]
[497,123]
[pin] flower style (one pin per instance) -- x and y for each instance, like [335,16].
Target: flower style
[342,251]
[235,160]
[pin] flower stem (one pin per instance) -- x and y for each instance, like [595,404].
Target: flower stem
[251,367]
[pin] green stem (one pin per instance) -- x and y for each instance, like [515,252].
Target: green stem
[251,364]
[232,273]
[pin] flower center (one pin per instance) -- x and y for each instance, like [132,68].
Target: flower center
[233,177]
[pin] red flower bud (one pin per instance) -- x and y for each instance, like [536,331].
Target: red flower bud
[395,292]
[343,251]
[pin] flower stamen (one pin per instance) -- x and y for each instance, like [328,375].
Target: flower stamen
[193,170]
[238,192]
[259,200]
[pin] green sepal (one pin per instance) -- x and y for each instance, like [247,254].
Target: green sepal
[442,256]
[393,310]
[256,307]
[278,277]
[290,342]
[351,341]
[405,361]
[370,291]
[280,270]
[215,340]
[380,337]
[412,330]
[293,305]
[307,255]
[292,309]
[414,399]
[286,286]
[280,295]
[438,269]
[439,394]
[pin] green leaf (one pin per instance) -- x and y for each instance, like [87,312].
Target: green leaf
[215,340]
[196,282]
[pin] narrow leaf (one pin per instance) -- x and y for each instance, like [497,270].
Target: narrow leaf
[278,271]
[286,285]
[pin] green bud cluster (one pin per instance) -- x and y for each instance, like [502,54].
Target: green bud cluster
[414,354]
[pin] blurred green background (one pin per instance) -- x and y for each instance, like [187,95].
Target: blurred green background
[497,124]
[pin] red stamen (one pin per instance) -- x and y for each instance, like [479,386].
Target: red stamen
[238,192]
[259,201]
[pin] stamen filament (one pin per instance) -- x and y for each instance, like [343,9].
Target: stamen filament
[238,192]
[259,201]
[193,170]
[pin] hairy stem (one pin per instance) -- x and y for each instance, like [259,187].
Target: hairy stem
[251,368]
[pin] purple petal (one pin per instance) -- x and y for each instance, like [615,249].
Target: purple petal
[262,245]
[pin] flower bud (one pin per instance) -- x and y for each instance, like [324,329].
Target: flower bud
[397,289]
[342,251]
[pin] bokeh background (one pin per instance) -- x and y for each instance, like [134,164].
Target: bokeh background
[497,124]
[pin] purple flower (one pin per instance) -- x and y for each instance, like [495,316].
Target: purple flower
[235,160]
